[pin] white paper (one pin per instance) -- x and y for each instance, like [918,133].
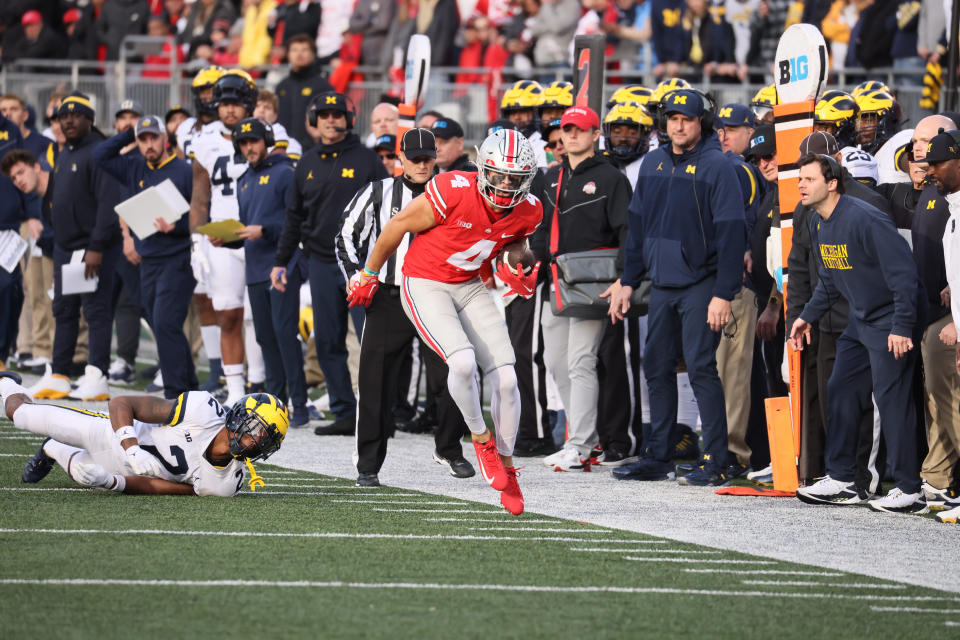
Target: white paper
[162,201]
[12,248]
[72,280]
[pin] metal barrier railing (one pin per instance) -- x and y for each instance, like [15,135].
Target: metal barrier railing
[158,87]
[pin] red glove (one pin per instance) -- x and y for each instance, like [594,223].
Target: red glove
[520,284]
[362,288]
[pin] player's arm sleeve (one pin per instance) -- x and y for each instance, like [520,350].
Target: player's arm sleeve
[354,237]
[296,214]
[633,265]
[899,271]
[440,198]
[726,207]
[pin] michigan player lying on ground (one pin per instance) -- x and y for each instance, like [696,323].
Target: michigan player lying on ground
[191,445]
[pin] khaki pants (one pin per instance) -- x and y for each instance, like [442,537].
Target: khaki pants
[942,399]
[734,364]
[36,319]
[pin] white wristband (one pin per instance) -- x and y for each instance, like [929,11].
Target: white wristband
[119,484]
[126,432]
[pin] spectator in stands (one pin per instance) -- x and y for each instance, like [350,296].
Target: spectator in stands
[439,21]
[334,20]
[200,23]
[477,51]
[836,28]
[552,29]
[256,40]
[711,42]
[671,42]
[174,12]
[383,121]
[766,27]
[306,80]
[158,26]
[227,47]
[119,19]
[372,19]
[31,39]
[293,18]
[904,48]
[874,39]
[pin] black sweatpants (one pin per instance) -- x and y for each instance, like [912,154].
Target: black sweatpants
[523,325]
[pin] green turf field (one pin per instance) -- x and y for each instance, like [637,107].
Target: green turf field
[312,556]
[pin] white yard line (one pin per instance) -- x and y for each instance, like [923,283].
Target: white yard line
[44,489]
[458,587]
[488,512]
[376,500]
[283,534]
[606,531]
[604,550]
[517,522]
[695,561]
[844,585]
[348,488]
[915,610]
[769,572]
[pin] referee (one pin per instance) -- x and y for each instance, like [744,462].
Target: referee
[387,331]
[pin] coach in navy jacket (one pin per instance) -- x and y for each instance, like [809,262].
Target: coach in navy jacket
[863,258]
[265,194]
[166,279]
[13,211]
[687,230]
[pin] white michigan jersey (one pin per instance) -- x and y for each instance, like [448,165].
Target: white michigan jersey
[216,154]
[185,134]
[180,445]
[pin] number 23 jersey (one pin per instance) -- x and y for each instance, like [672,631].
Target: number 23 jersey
[224,166]
[467,234]
[180,445]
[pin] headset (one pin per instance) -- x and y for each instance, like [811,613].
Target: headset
[350,113]
[264,131]
[706,118]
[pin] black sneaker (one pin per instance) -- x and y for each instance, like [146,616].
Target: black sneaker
[535,448]
[616,458]
[684,442]
[38,466]
[736,470]
[706,475]
[254,387]
[459,467]
[340,427]
[645,469]
[368,480]
[421,424]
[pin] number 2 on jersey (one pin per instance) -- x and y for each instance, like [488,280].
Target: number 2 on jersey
[221,177]
[471,258]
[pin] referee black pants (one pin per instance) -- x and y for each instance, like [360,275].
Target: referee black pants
[526,336]
[386,333]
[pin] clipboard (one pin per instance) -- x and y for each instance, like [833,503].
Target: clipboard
[226,230]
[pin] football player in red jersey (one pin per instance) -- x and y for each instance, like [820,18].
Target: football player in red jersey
[462,221]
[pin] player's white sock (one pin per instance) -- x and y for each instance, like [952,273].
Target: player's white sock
[60,452]
[505,407]
[256,369]
[211,340]
[234,375]
[462,382]
[9,388]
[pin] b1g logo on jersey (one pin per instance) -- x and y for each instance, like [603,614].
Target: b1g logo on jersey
[459,181]
[793,69]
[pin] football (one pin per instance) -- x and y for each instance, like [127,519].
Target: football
[517,253]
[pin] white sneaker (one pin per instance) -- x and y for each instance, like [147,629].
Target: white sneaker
[567,459]
[936,498]
[762,474]
[122,372]
[157,384]
[52,386]
[322,403]
[896,501]
[950,515]
[829,491]
[37,361]
[92,387]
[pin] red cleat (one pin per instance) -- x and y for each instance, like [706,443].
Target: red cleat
[491,467]
[511,498]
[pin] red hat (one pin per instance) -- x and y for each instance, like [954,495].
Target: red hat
[71,16]
[31,17]
[581,117]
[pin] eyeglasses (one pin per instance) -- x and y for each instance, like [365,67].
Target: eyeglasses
[766,158]
[551,145]
[389,156]
[323,115]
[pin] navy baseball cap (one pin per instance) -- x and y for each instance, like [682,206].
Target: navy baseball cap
[942,147]
[386,142]
[447,128]
[763,142]
[689,103]
[149,124]
[736,115]
[252,128]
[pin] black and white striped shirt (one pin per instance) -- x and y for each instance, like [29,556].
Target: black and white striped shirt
[365,217]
